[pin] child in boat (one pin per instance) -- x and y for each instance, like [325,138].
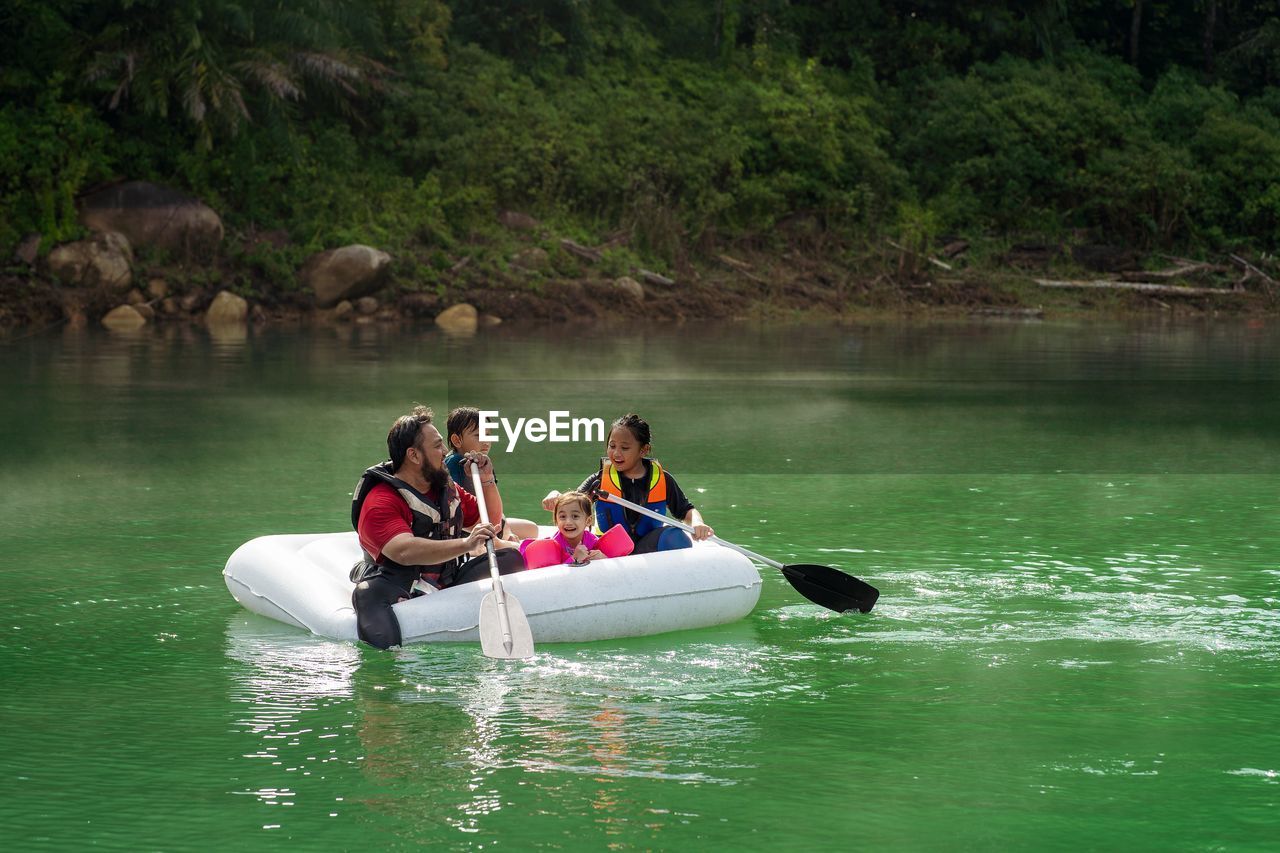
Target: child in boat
[463,424]
[573,541]
[628,472]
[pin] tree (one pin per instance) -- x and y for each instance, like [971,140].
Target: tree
[1210,21]
[1135,32]
[216,62]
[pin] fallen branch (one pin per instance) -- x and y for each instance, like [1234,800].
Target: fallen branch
[1251,268]
[1136,286]
[934,261]
[1180,261]
[1170,274]
[654,278]
[587,254]
[740,267]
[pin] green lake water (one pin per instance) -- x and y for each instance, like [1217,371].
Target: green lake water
[1073,528]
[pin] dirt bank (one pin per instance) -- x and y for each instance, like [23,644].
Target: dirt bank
[736,282]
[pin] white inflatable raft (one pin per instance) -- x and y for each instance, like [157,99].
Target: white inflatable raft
[303,580]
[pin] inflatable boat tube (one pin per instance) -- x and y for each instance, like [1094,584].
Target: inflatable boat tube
[302,580]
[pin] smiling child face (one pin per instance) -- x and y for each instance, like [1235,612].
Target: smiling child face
[572,522]
[626,452]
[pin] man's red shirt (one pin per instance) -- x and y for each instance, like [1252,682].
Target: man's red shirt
[385,515]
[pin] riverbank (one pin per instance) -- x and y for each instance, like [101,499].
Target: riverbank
[684,165]
[534,275]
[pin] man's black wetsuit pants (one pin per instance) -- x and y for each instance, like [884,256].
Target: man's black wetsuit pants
[374,596]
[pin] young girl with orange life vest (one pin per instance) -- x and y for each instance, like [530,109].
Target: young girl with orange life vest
[626,471]
[573,541]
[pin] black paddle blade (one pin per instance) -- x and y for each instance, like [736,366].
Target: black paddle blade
[831,588]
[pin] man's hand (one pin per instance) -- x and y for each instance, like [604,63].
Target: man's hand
[549,502]
[480,534]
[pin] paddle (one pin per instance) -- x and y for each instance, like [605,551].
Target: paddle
[504,629]
[831,588]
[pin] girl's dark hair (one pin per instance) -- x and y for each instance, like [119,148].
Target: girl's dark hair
[404,434]
[638,426]
[460,420]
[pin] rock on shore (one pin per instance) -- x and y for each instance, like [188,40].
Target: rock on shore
[460,319]
[344,274]
[226,308]
[152,215]
[103,260]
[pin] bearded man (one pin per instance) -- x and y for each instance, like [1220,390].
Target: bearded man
[413,523]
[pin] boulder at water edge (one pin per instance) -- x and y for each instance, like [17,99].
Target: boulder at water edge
[460,319]
[343,310]
[124,318]
[226,308]
[346,273]
[101,261]
[152,215]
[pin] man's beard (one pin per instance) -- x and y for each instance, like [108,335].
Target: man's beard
[437,478]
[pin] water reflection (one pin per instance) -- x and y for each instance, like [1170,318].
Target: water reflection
[284,685]
[287,668]
[893,399]
[438,736]
[228,338]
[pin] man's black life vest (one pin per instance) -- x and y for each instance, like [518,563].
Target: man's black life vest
[438,520]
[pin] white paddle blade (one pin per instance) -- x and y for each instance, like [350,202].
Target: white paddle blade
[492,641]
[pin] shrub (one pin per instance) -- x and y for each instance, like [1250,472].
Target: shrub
[669,152]
[1005,146]
[48,152]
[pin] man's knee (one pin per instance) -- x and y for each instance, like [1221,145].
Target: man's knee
[509,560]
[376,622]
[477,568]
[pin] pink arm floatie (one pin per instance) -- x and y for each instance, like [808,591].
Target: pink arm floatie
[615,542]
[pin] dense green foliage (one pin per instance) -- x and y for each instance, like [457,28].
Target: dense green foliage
[408,123]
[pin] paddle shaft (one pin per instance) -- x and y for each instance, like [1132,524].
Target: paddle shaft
[666,519]
[831,588]
[504,619]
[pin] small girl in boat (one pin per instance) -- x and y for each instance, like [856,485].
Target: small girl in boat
[573,541]
[628,472]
